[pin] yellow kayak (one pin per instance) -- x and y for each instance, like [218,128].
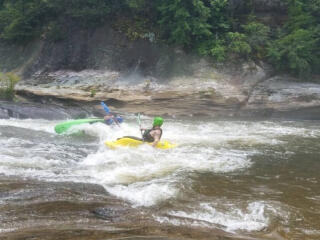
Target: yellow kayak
[131,142]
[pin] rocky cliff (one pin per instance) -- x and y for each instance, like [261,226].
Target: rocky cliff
[144,76]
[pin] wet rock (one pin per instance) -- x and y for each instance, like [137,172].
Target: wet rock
[250,93]
[283,97]
[5,113]
[113,214]
[35,111]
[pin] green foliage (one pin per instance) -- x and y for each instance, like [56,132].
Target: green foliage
[196,25]
[297,52]
[208,27]
[215,48]
[93,92]
[297,48]
[257,37]
[237,44]
[218,51]
[219,16]
[22,20]
[7,83]
[189,23]
[298,17]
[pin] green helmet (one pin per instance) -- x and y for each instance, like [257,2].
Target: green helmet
[157,121]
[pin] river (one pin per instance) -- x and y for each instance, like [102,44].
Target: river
[225,180]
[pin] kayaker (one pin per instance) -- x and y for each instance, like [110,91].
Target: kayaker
[111,118]
[154,134]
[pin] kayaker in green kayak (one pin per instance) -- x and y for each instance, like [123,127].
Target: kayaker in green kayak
[111,118]
[153,134]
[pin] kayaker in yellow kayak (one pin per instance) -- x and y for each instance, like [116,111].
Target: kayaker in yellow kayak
[154,134]
[149,136]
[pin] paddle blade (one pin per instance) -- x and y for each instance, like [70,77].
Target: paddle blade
[105,107]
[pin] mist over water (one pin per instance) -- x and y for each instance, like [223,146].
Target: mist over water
[257,179]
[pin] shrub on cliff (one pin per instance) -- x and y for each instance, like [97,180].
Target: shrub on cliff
[193,24]
[297,47]
[20,21]
[297,52]
[7,83]
[257,36]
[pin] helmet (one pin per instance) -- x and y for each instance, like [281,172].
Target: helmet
[157,121]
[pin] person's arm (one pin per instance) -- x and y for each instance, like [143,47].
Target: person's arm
[156,138]
[116,120]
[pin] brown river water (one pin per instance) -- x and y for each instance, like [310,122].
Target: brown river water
[224,180]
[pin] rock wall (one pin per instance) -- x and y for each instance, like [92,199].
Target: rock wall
[141,76]
[102,49]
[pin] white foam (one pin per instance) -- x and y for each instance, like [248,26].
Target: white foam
[144,176]
[145,193]
[254,217]
[33,124]
[137,174]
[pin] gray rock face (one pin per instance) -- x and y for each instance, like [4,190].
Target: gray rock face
[286,98]
[140,76]
[102,49]
[37,110]
[248,92]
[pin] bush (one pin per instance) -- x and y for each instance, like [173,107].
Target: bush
[297,52]
[257,36]
[191,23]
[237,44]
[297,48]
[7,83]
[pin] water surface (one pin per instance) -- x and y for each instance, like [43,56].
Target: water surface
[236,179]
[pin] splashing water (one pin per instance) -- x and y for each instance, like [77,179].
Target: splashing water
[237,176]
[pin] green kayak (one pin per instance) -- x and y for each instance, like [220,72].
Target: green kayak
[63,127]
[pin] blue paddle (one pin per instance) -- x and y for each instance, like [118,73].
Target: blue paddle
[105,107]
[108,111]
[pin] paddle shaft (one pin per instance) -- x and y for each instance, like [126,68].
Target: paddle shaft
[139,122]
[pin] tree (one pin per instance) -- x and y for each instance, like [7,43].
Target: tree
[7,83]
[297,48]
[297,52]
[257,35]
[184,23]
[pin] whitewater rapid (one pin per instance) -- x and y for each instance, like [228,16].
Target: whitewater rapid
[175,180]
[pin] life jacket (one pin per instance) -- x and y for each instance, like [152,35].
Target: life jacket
[147,136]
[108,121]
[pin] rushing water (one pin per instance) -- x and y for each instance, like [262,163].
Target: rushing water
[257,180]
